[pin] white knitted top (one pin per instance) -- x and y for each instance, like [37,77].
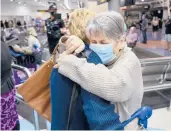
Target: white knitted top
[120,83]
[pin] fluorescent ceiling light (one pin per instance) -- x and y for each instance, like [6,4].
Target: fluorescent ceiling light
[66,3]
[63,6]
[142,0]
[35,0]
[11,0]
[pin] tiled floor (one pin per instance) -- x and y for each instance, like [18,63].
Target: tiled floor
[25,124]
[157,47]
[160,119]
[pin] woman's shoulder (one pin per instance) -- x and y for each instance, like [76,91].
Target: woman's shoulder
[129,58]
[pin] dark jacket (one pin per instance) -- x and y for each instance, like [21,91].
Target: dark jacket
[6,75]
[168,27]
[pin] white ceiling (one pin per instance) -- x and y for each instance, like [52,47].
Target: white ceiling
[40,3]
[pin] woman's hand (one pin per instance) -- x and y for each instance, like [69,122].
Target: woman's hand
[63,30]
[74,45]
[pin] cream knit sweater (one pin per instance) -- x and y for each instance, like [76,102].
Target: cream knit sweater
[120,83]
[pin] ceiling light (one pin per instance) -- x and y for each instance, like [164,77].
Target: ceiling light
[142,0]
[19,3]
[11,0]
[63,6]
[35,0]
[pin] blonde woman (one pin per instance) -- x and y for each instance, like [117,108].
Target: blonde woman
[155,24]
[76,25]
[119,78]
[32,39]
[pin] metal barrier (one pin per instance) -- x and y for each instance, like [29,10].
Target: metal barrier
[154,61]
[165,61]
[144,63]
[162,83]
[20,98]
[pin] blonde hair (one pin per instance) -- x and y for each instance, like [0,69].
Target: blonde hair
[78,22]
[32,31]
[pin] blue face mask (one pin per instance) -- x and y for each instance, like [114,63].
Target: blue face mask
[104,51]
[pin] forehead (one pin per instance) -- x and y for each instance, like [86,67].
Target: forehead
[97,38]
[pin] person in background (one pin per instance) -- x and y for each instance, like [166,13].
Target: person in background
[160,23]
[6,24]
[8,111]
[144,26]
[155,24]
[11,24]
[55,28]
[25,25]
[129,22]
[132,37]
[19,24]
[119,78]
[32,42]
[2,25]
[168,33]
[67,16]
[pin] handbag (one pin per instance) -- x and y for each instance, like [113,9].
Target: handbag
[36,90]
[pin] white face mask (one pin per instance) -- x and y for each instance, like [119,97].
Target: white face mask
[104,51]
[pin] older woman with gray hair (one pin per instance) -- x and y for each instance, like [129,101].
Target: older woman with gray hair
[119,78]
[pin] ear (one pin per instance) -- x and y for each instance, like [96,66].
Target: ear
[122,42]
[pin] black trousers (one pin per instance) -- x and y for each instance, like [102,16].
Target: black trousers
[17,127]
[52,44]
[144,35]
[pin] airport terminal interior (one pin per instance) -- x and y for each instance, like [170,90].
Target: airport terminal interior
[85,64]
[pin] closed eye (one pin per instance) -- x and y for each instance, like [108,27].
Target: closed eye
[94,42]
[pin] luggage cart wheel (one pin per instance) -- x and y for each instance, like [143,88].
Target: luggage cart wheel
[17,102]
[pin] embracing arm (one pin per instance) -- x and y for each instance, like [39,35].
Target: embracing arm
[114,85]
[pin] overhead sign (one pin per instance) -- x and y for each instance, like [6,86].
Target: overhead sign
[42,10]
[101,1]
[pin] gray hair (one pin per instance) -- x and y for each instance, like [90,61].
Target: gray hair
[109,24]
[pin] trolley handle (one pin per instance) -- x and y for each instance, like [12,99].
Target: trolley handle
[21,68]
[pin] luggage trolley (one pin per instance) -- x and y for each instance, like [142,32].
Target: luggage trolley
[19,81]
[30,61]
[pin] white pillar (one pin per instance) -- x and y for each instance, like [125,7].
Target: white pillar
[165,14]
[168,7]
[114,5]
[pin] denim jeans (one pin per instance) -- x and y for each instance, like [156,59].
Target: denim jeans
[144,35]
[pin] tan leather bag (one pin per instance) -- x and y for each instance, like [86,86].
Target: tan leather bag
[36,90]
